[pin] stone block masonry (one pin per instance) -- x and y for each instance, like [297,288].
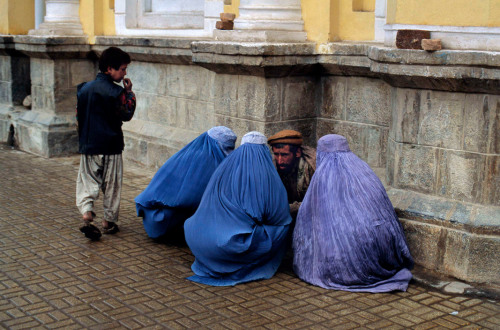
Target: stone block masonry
[426,122]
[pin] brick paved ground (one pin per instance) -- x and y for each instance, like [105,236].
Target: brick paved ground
[51,276]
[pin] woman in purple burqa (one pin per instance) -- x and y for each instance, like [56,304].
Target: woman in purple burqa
[347,235]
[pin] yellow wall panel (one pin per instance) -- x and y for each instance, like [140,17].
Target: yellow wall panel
[17,16]
[98,18]
[494,14]
[353,25]
[4,17]
[443,12]
[316,17]
[233,7]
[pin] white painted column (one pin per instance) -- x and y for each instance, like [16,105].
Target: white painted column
[39,12]
[62,18]
[267,21]
[380,19]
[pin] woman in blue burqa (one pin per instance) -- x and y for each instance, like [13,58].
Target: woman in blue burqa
[347,235]
[238,233]
[174,193]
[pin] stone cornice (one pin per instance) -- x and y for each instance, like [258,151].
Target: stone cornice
[447,70]
[146,49]
[54,47]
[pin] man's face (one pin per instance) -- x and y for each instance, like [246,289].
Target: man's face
[285,159]
[118,75]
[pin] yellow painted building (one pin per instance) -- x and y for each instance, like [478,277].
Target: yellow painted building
[324,20]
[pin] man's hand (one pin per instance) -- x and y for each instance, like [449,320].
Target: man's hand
[127,84]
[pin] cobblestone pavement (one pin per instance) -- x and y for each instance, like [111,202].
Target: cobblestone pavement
[53,277]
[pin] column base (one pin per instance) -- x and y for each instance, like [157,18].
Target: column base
[58,29]
[47,135]
[260,35]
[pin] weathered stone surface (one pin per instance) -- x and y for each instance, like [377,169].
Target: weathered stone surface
[441,119]
[252,97]
[43,98]
[481,268]
[415,168]
[478,121]
[299,99]
[333,98]
[456,250]
[461,176]
[431,44]
[456,287]
[494,138]
[35,133]
[239,126]
[226,94]
[189,82]
[368,101]
[148,77]
[453,252]
[366,141]
[423,243]
[411,39]
[5,68]
[492,181]
[158,154]
[161,110]
[6,92]
[135,150]
[405,115]
[81,71]
[199,115]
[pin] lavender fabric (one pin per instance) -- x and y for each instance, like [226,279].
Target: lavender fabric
[347,235]
[239,231]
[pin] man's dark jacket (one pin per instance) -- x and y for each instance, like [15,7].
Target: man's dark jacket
[99,117]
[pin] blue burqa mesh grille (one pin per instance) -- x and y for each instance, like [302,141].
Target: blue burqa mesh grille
[239,231]
[347,235]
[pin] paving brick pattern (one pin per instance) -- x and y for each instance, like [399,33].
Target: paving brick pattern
[52,277]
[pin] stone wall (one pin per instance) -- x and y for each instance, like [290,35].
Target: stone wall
[427,123]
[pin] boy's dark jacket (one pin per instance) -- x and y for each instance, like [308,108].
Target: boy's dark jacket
[99,117]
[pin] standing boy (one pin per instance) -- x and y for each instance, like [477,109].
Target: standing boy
[102,107]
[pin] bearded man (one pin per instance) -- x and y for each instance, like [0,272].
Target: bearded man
[295,164]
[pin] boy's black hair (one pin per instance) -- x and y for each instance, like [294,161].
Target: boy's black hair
[113,57]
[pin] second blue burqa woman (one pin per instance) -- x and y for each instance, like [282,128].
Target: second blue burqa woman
[239,231]
[175,191]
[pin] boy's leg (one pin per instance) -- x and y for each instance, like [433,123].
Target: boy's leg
[87,185]
[111,188]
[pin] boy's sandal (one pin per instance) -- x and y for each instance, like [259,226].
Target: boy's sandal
[112,228]
[91,231]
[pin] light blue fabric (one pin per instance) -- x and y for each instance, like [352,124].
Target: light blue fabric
[175,191]
[239,231]
[224,136]
[347,235]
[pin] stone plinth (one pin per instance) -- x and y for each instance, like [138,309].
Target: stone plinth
[14,87]
[57,66]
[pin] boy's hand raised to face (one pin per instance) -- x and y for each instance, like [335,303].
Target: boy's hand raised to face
[127,84]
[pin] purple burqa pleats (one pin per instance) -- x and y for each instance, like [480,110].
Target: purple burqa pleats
[347,235]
